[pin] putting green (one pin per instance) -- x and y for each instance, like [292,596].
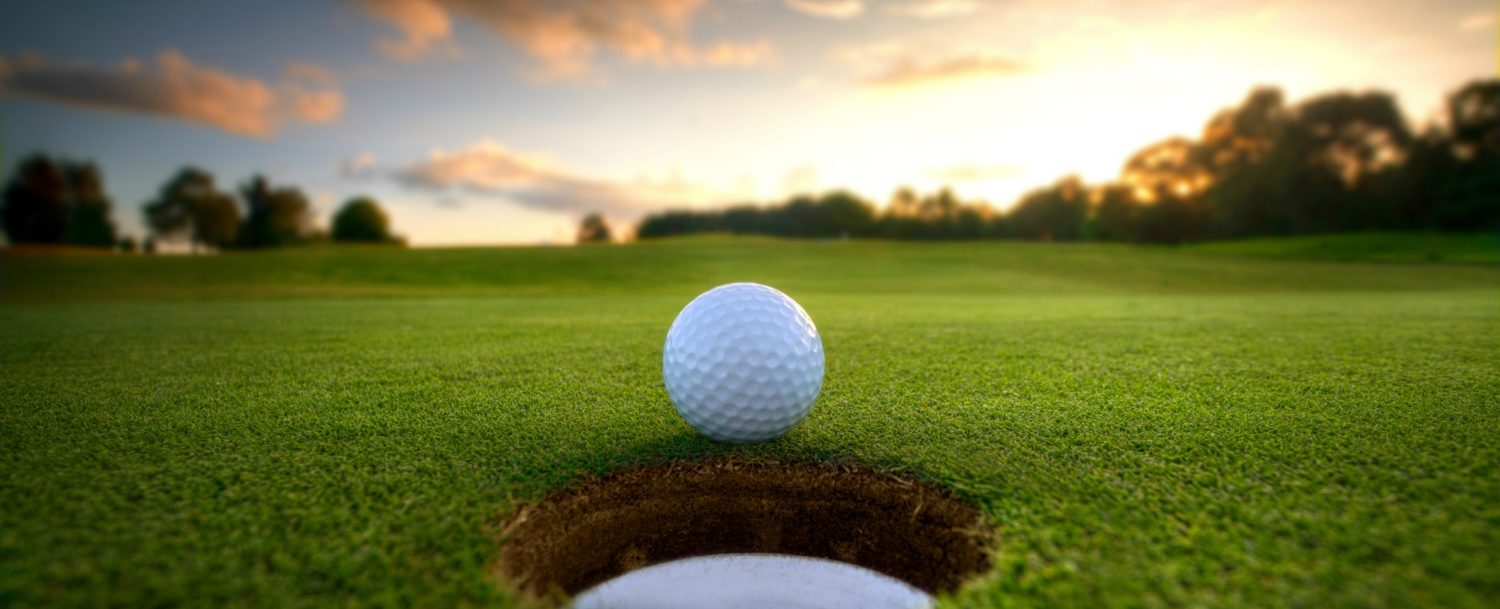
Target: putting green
[1143,426]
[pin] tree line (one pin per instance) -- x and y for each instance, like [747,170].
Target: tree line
[1335,162]
[51,201]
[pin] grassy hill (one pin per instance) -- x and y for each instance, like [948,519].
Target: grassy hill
[1477,248]
[683,266]
[1197,426]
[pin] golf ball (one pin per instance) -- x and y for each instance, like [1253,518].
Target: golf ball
[743,363]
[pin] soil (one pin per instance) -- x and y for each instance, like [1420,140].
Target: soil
[603,527]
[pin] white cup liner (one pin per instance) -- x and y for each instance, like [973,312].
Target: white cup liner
[753,581]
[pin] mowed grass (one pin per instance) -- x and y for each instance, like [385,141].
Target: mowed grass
[1149,427]
[1476,248]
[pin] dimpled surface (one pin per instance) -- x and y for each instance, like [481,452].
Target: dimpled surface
[743,363]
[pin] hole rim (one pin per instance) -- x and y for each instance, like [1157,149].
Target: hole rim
[551,549]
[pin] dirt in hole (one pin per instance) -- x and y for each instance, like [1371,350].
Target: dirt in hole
[604,527]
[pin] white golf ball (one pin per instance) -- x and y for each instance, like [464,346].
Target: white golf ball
[743,363]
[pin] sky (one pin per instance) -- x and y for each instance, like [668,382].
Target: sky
[503,121]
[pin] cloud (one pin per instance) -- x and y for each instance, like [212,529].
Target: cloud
[311,73]
[423,26]
[488,168]
[313,105]
[742,55]
[564,38]
[174,87]
[829,9]
[977,173]
[1484,20]
[936,9]
[912,72]
[362,165]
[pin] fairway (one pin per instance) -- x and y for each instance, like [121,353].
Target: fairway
[1142,426]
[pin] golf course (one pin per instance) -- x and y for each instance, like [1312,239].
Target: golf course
[1304,422]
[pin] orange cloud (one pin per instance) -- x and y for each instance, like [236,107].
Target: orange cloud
[175,87]
[745,55]
[977,173]
[488,168]
[910,72]
[936,9]
[829,9]
[565,38]
[423,25]
[312,105]
[1483,20]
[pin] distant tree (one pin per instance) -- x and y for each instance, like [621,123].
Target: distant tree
[189,205]
[1054,213]
[1355,134]
[36,202]
[1334,162]
[1169,180]
[1468,197]
[594,229]
[274,216]
[48,201]
[903,215]
[842,213]
[940,215]
[89,221]
[1172,219]
[1353,138]
[679,222]
[127,245]
[1172,168]
[742,220]
[1253,154]
[972,222]
[361,220]
[833,214]
[1116,216]
[1413,195]
[941,211]
[1244,134]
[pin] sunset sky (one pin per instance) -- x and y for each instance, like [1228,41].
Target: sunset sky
[503,121]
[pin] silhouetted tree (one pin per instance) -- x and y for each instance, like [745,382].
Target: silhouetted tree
[274,216]
[1172,168]
[842,213]
[1468,197]
[1116,216]
[1054,213]
[1353,138]
[57,202]
[189,205]
[89,223]
[903,215]
[972,222]
[1334,162]
[833,214]
[594,229]
[36,202]
[1253,156]
[1172,219]
[361,220]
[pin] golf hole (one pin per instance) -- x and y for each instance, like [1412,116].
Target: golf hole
[601,528]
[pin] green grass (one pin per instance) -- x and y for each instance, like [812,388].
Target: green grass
[1145,426]
[1476,248]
